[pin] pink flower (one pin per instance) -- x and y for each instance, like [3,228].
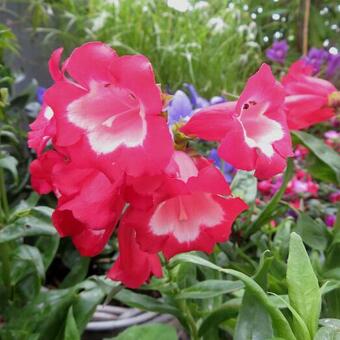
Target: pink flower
[252,131]
[133,266]
[334,197]
[108,108]
[307,97]
[42,129]
[192,209]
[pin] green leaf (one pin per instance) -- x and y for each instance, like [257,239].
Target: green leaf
[148,332]
[281,238]
[328,166]
[303,287]
[33,222]
[209,288]
[254,321]
[244,185]
[268,212]
[9,163]
[313,233]
[227,311]
[145,302]
[71,331]
[78,271]
[48,246]
[281,326]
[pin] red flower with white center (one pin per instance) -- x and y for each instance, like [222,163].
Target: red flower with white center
[252,131]
[308,99]
[108,107]
[192,210]
[42,129]
[133,266]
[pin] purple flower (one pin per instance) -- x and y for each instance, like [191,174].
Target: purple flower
[40,94]
[197,101]
[217,100]
[333,65]
[330,220]
[316,57]
[227,169]
[179,107]
[278,51]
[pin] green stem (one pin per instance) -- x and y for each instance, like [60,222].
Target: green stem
[189,319]
[4,258]
[3,196]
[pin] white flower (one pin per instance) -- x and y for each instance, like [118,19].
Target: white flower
[180,5]
[217,25]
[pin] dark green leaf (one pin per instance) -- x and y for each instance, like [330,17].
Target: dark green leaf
[327,156]
[9,163]
[313,233]
[214,318]
[48,246]
[78,271]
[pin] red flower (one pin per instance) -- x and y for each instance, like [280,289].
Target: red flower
[252,131]
[307,97]
[133,266]
[109,108]
[192,209]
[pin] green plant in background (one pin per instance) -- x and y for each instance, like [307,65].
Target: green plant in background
[179,45]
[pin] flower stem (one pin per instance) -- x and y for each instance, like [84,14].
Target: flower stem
[305,27]
[189,319]
[3,197]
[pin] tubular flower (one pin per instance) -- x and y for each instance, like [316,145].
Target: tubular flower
[109,106]
[252,131]
[192,209]
[309,100]
[133,266]
[105,151]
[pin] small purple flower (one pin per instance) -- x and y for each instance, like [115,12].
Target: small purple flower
[333,65]
[179,107]
[316,57]
[197,101]
[278,51]
[227,169]
[217,100]
[330,220]
[40,94]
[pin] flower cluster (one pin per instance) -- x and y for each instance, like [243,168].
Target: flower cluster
[105,149]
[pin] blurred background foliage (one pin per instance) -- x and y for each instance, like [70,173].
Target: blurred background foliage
[213,44]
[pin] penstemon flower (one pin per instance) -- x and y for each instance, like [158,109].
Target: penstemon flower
[252,131]
[105,150]
[309,100]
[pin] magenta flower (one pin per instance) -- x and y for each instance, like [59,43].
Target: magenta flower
[278,51]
